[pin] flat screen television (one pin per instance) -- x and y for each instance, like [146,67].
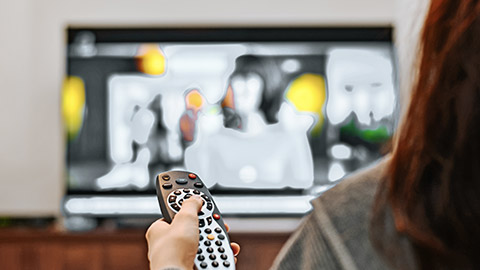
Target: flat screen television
[263,115]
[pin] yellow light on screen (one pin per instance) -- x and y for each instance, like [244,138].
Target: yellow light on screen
[307,93]
[73,105]
[194,100]
[150,60]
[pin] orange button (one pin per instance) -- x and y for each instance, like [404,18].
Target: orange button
[192,176]
[210,237]
[216,216]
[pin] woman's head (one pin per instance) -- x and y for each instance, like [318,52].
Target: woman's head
[434,176]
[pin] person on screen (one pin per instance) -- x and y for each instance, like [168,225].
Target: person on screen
[419,207]
[253,153]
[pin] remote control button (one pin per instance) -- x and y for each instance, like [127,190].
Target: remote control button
[216,216]
[203,265]
[201,258]
[201,223]
[181,181]
[167,186]
[215,264]
[172,199]
[221,236]
[210,237]
[212,257]
[180,202]
[218,243]
[201,237]
[207,243]
[187,196]
[209,206]
[186,190]
[199,251]
[221,250]
[209,220]
[210,250]
[218,230]
[201,214]
[192,176]
[177,192]
[198,185]
[208,230]
[206,198]
[166,177]
[196,192]
[226,264]
[223,256]
[175,207]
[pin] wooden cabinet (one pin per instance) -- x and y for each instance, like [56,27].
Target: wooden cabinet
[28,249]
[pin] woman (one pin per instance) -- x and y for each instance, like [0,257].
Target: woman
[417,209]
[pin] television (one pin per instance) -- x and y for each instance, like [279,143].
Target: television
[267,117]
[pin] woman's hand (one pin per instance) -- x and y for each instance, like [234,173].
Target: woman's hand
[176,244]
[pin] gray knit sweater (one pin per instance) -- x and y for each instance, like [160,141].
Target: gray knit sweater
[336,234]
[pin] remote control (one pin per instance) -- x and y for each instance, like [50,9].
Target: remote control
[214,251]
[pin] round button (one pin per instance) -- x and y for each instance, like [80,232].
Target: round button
[208,230]
[192,176]
[201,237]
[167,186]
[221,250]
[210,250]
[196,192]
[218,230]
[207,243]
[199,251]
[218,243]
[186,190]
[221,236]
[177,192]
[201,258]
[181,181]
[216,216]
[203,265]
[212,257]
[223,256]
[226,264]
[198,185]
[210,237]
[166,177]
[215,264]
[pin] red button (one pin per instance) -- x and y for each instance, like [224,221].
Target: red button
[192,176]
[216,216]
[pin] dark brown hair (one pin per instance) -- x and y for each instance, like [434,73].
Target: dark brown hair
[433,180]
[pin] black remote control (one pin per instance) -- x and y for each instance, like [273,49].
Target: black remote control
[214,251]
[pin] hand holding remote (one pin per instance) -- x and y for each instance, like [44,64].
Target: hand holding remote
[207,246]
[175,245]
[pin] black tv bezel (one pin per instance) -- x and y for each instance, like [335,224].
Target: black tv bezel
[225,34]
[232,34]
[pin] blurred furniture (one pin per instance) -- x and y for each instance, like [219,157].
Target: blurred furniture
[32,249]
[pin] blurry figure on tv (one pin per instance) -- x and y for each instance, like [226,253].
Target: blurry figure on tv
[247,151]
[194,102]
[360,107]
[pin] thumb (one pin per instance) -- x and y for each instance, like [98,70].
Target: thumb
[189,212]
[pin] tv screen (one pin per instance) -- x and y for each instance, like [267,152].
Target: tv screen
[260,110]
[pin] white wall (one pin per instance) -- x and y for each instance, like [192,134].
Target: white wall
[32,48]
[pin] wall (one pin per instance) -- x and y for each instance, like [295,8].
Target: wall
[32,48]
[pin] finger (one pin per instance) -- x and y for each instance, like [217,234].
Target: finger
[189,212]
[235,248]
[235,258]
[226,226]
